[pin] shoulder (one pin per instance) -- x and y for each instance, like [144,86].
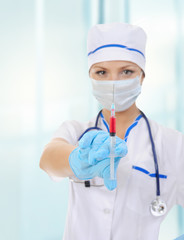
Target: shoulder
[166,137]
[71,130]
[164,131]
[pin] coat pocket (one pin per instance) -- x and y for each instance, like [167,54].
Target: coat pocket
[142,188]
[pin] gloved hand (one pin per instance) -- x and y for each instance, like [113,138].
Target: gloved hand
[91,157]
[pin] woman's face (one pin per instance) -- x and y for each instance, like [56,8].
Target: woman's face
[115,70]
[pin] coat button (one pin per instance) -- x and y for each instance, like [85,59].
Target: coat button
[107,210]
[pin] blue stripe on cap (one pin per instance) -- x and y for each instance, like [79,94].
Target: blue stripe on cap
[116,45]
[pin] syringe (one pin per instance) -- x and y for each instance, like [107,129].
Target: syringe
[112,140]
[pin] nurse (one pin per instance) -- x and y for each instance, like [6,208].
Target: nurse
[126,207]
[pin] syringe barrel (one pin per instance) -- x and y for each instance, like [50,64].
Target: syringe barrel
[112,156]
[112,145]
[112,126]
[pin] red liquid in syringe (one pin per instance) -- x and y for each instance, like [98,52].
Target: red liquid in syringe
[112,122]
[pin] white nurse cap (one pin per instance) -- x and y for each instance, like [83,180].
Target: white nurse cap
[116,41]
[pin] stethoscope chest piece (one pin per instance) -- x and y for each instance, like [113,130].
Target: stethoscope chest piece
[158,207]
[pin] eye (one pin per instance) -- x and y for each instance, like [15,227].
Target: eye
[101,73]
[128,72]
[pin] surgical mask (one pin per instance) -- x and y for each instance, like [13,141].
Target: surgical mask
[123,93]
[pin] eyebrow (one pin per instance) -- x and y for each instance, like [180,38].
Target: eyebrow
[99,67]
[119,67]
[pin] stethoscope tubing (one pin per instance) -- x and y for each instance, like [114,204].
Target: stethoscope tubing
[154,155]
[92,128]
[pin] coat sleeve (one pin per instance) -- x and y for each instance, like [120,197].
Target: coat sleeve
[180,171]
[68,130]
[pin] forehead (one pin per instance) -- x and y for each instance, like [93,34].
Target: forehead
[114,64]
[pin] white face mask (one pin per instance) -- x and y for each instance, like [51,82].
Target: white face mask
[125,92]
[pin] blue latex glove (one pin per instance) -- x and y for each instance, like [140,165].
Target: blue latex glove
[91,157]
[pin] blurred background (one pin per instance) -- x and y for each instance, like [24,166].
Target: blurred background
[43,74]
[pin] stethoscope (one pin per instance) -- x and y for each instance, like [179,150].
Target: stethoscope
[158,206]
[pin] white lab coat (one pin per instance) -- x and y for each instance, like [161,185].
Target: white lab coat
[95,213]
